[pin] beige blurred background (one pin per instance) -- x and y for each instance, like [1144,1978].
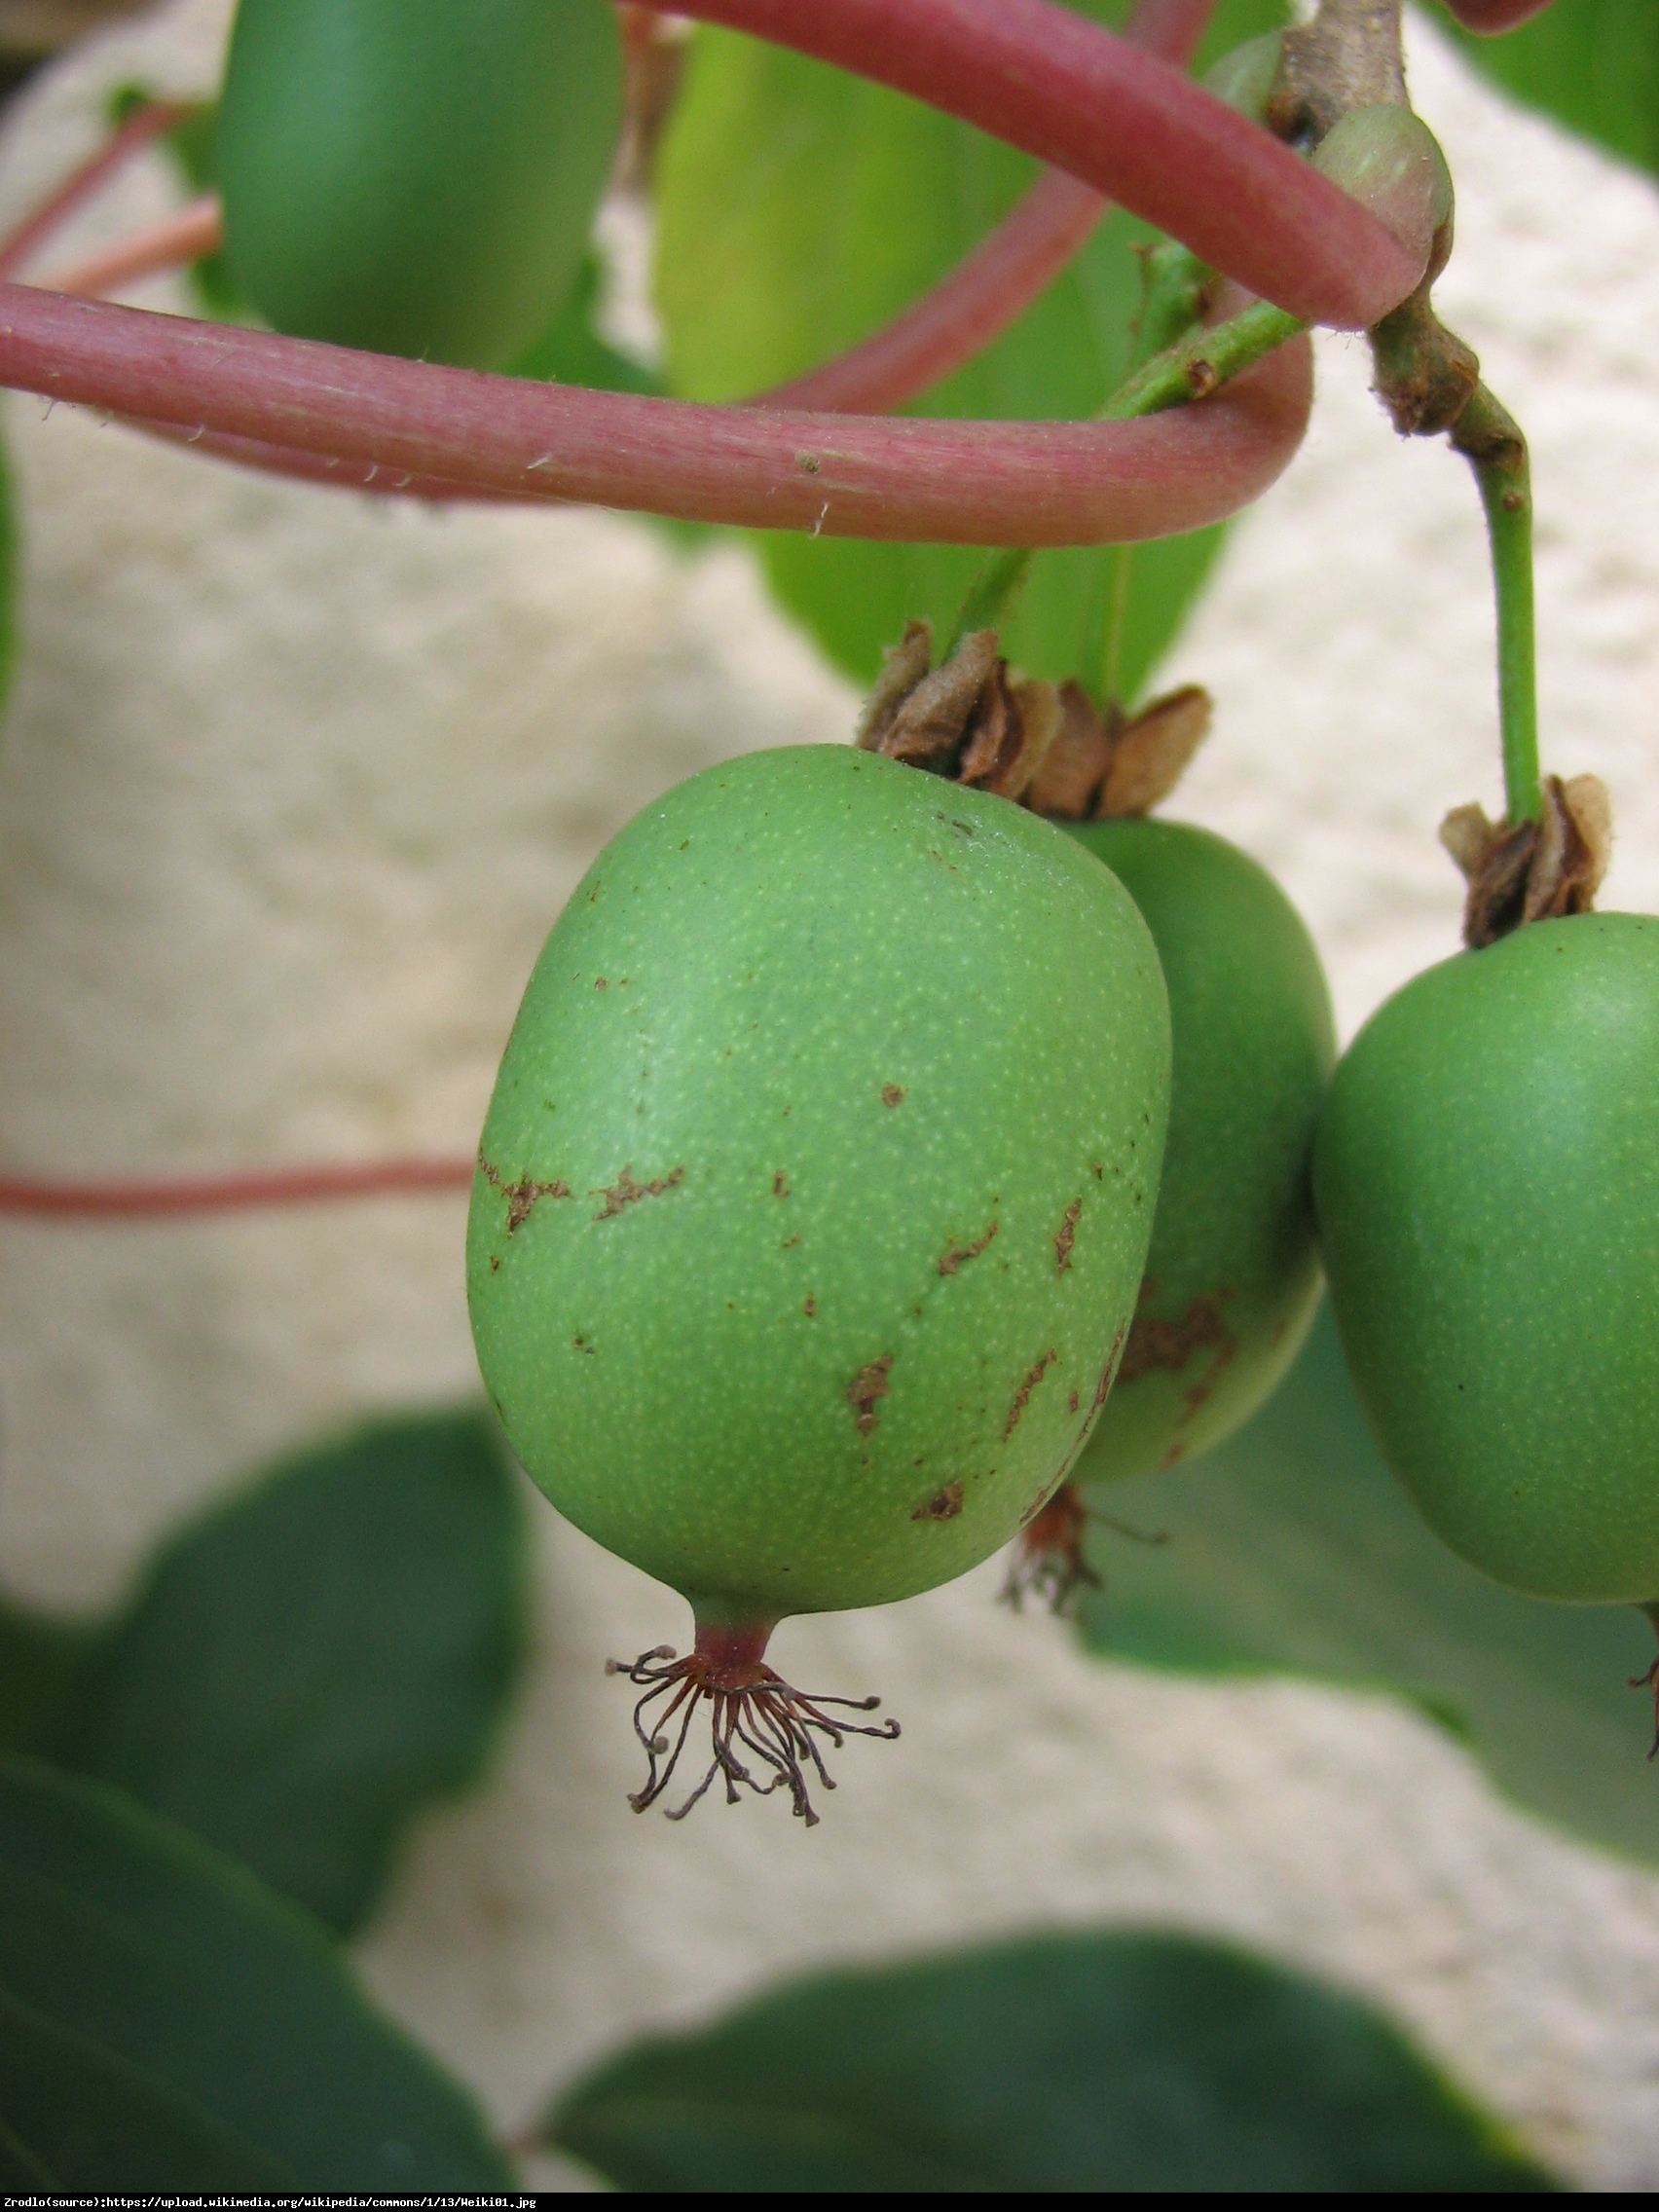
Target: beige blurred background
[291,787]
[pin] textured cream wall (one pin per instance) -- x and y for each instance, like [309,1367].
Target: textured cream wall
[290,789]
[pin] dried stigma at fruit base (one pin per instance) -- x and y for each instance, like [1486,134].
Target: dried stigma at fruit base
[414,177]
[1231,1277]
[812,1205]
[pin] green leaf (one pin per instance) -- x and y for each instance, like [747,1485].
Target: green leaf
[165,2022]
[799,210]
[572,352]
[311,1663]
[44,1667]
[1293,1551]
[192,145]
[1591,64]
[1111,2061]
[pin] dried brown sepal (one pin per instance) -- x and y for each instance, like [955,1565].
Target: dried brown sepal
[1102,766]
[1532,871]
[902,667]
[753,1715]
[1009,733]
[1068,782]
[970,719]
[975,723]
[1151,753]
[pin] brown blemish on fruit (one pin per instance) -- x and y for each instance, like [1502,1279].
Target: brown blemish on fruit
[780,1185]
[1067,1236]
[1108,1373]
[810,1308]
[960,1254]
[599,984]
[1072,1403]
[580,1343]
[867,1387]
[1171,1344]
[625,1192]
[892,1094]
[1022,1396]
[790,1242]
[944,1506]
[521,1195]
[494,1263]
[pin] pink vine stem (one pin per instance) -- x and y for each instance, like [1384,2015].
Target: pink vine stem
[140,129]
[992,287]
[1032,71]
[191,232]
[1085,102]
[337,413]
[1488,17]
[60,1200]
[862,476]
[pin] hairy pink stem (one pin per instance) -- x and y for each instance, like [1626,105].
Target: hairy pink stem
[1489,17]
[960,316]
[228,1194]
[994,285]
[193,231]
[1050,81]
[136,134]
[860,476]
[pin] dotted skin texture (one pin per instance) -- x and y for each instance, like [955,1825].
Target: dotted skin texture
[818,1179]
[1487,1178]
[1231,1277]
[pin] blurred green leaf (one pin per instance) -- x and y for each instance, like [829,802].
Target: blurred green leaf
[799,210]
[307,1665]
[1294,1551]
[572,352]
[166,2024]
[191,144]
[1079,2063]
[1591,64]
[45,1668]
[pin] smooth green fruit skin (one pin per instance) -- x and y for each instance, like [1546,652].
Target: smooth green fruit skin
[1487,1183]
[416,177]
[1233,1275]
[888,1062]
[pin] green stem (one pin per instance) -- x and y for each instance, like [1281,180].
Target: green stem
[1203,360]
[1195,366]
[1498,452]
[1175,286]
[992,594]
[1103,647]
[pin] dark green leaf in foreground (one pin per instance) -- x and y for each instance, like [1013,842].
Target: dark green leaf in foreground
[1293,1550]
[166,2024]
[317,1658]
[801,208]
[1107,2061]
[1591,64]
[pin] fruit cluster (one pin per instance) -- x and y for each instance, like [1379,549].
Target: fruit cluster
[898,1140]
[874,1160]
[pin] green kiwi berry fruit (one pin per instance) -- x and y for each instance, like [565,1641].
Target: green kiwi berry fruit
[416,177]
[814,1196]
